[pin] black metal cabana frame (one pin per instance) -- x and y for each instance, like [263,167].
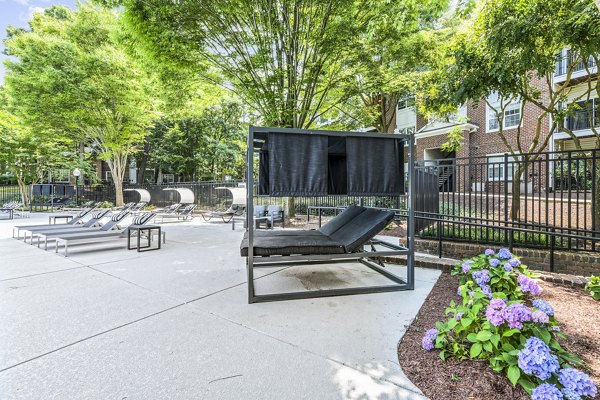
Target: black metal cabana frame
[371,259]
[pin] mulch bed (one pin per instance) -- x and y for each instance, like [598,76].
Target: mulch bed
[576,311]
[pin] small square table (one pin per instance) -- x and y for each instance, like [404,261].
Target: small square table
[144,228]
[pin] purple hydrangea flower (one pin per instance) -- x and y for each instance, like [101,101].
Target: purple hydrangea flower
[555,328]
[458,292]
[514,262]
[540,317]
[508,267]
[544,306]
[515,314]
[570,394]
[504,254]
[494,262]
[482,277]
[494,313]
[428,341]
[546,391]
[576,382]
[487,290]
[536,359]
[529,285]
[489,252]
[459,316]
[466,266]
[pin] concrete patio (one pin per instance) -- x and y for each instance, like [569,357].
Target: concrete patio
[107,323]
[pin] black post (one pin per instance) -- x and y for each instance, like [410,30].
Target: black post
[552,244]
[77,191]
[439,228]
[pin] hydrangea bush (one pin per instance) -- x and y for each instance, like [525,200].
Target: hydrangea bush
[499,317]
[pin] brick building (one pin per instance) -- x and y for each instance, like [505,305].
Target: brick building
[483,152]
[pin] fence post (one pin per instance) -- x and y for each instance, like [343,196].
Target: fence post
[552,244]
[506,239]
[439,229]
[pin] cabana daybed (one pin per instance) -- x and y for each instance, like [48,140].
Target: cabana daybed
[296,162]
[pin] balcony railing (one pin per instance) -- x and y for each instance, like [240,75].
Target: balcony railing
[563,63]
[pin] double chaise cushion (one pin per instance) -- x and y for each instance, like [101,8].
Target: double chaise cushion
[345,233]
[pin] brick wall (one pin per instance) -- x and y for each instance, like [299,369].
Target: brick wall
[574,263]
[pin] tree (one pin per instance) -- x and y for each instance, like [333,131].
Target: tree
[207,146]
[73,76]
[26,155]
[398,44]
[511,50]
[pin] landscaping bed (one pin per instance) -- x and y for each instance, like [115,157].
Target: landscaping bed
[575,310]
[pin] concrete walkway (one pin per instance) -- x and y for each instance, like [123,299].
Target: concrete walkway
[107,323]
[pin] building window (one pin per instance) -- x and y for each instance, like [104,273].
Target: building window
[406,131]
[405,103]
[496,168]
[586,114]
[512,117]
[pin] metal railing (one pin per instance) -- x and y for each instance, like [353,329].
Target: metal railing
[538,200]
[563,63]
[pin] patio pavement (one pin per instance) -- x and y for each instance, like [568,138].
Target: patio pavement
[107,323]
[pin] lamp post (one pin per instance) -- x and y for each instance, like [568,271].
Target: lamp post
[76,174]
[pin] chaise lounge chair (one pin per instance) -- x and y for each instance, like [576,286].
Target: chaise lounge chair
[10,208]
[93,224]
[340,240]
[77,219]
[182,214]
[101,234]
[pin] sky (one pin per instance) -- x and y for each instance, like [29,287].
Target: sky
[17,13]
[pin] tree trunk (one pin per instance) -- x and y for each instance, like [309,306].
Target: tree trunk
[143,161]
[118,193]
[515,210]
[290,207]
[24,192]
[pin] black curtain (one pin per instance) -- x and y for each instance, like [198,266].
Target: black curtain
[375,166]
[297,164]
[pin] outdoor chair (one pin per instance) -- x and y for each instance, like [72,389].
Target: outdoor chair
[276,214]
[126,206]
[77,219]
[234,210]
[138,207]
[10,209]
[172,209]
[182,214]
[93,224]
[346,233]
[114,233]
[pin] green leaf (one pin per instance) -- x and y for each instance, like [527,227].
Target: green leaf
[466,322]
[527,385]
[452,323]
[488,347]
[443,355]
[495,339]
[475,350]
[513,373]
[484,336]
[510,332]
[472,337]
[506,346]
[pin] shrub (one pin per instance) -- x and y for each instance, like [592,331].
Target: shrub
[593,286]
[106,204]
[499,318]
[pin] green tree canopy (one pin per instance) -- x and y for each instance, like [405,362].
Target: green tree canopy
[72,76]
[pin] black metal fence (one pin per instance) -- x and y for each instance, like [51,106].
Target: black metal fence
[544,200]
[9,193]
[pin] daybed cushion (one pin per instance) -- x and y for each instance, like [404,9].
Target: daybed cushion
[341,219]
[362,228]
[285,245]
